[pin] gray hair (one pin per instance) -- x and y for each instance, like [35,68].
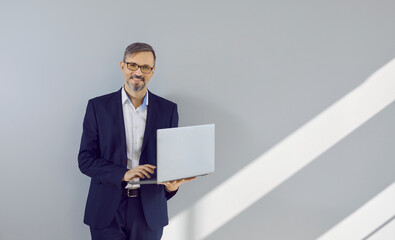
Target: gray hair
[138,47]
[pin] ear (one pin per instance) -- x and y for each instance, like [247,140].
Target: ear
[121,64]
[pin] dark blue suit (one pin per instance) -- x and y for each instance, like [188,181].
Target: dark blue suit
[102,157]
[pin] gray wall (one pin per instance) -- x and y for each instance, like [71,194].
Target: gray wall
[257,69]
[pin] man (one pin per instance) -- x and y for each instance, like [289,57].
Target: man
[118,146]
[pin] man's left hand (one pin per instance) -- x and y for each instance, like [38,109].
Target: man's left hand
[174,185]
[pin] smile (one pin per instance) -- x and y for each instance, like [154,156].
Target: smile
[137,80]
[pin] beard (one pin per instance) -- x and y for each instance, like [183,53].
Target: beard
[136,88]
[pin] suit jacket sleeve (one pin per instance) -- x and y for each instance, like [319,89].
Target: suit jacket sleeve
[90,161]
[174,123]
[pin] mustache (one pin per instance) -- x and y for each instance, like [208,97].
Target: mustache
[137,76]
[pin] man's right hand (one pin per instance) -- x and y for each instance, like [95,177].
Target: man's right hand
[141,171]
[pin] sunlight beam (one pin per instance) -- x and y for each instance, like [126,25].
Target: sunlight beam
[286,158]
[366,219]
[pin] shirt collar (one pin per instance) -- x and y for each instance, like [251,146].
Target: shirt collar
[125,98]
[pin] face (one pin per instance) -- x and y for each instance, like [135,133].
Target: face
[136,80]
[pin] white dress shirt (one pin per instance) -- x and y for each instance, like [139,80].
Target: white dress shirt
[134,119]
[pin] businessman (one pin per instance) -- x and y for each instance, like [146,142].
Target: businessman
[118,147]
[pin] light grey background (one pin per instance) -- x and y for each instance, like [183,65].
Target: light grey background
[257,69]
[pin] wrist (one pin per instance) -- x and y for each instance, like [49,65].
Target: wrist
[125,176]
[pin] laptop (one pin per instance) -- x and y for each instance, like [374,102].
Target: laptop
[183,152]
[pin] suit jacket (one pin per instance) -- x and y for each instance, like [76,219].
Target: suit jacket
[102,157]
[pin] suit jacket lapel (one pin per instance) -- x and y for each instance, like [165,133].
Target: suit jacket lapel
[152,114]
[119,121]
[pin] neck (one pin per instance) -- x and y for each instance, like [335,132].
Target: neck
[135,97]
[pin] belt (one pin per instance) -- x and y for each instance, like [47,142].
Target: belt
[132,192]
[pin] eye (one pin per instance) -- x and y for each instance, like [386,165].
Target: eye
[146,68]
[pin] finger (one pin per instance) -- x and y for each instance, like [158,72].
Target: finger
[181,180]
[140,175]
[150,170]
[187,179]
[149,166]
[147,169]
[184,180]
[166,184]
[145,173]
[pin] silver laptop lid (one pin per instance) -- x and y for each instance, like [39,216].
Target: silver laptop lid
[185,152]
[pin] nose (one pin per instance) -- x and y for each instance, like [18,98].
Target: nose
[138,72]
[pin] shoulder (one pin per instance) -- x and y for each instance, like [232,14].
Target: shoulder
[160,100]
[106,98]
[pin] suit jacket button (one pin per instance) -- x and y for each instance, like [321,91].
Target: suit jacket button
[124,161]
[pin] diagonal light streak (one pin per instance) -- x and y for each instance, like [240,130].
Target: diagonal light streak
[385,229]
[366,219]
[385,232]
[286,158]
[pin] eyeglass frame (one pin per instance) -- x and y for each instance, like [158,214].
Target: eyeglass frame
[138,66]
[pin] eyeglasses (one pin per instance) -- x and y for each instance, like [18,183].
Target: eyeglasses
[134,66]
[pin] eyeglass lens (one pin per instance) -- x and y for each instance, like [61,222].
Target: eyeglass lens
[134,67]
